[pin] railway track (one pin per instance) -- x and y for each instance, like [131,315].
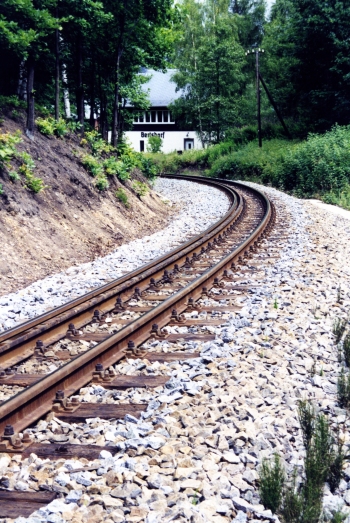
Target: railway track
[120,319]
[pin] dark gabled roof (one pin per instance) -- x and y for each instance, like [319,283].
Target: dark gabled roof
[161,90]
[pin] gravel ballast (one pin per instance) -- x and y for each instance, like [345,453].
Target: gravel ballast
[200,205]
[194,455]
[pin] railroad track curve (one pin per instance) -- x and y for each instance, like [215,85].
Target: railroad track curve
[153,296]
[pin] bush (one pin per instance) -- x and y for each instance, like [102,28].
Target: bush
[122,197]
[271,483]
[140,188]
[148,167]
[45,126]
[33,183]
[154,144]
[101,182]
[49,126]
[14,176]
[8,150]
[115,167]
[98,145]
[301,500]
[92,165]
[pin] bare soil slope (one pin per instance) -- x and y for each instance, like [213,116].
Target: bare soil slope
[70,222]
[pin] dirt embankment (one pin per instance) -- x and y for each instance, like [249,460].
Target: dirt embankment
[70,222]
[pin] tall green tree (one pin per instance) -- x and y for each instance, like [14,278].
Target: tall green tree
[209,59]
[307,64]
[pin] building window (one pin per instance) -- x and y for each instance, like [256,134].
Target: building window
[142,146]
[150,117]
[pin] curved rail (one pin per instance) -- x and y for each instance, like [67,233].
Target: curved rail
[17,344]
[29,405]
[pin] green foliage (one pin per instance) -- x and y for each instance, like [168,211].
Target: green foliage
[1,189]
[300,501]
[339,327]
[122,197]
[11,101]
[92,164]
[343,389]
[340,197]
[346,349]
[209,60]
[148,167]
[14,176]
[140,188]
[154,144]
[50,126]
[34,183]
[306,54]
[46,126]
[115,167]
[271,483]
[98,145]
[8,150]
[101,182]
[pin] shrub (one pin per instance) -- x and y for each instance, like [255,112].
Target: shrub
[45,126]
[73,126]
[346,349]
[148,168]
[101,182]
[49,126]
[98,145]
[115,167]
[92,165]
[339,327]
[14,176]
[301,499]
[61,128]
[33,183]
[271,483]
[154,144]
[8,142]
[122,197]
[140,188]
[343,389]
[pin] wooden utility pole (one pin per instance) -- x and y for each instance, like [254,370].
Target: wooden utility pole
[257,51]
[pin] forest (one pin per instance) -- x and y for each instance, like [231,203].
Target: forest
[77,61]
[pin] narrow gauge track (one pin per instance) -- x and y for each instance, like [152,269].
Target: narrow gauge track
[161,291]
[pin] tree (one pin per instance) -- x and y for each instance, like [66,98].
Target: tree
[209,59]
[307,44]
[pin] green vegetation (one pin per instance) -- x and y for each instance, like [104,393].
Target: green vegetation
[272,478]
[154,144]
[122,197]
[140,188]
[9,153]
[299,500]
[1,189]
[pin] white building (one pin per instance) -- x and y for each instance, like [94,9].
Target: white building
[158,120]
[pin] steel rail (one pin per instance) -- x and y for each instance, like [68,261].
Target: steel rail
[17,344]
[34,402]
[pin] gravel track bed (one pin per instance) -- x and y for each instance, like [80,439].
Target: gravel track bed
[200,205]
[194,455]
